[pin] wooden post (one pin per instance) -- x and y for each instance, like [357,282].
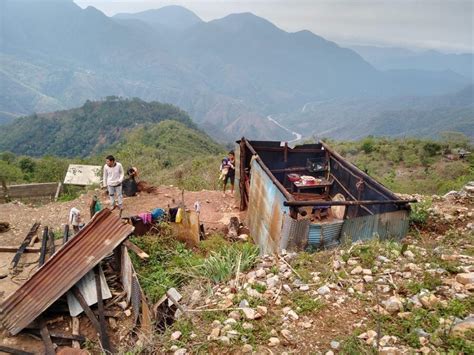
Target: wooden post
[87,310]
[75,331]
[104,338]
[45,336]
[52,247]
[285,153]
[66,233]
[25,243]
[242,187]
[44,244]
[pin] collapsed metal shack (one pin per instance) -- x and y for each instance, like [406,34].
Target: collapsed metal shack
[310,196]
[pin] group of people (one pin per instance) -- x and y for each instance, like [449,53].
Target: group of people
[113,177]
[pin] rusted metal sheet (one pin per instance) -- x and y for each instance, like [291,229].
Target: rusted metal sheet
[324,235]
[265,210]
[385,226]
[294,234]
[63,270]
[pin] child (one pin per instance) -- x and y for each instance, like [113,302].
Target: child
[228,172]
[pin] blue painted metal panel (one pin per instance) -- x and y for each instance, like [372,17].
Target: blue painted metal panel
[324,235]
[390,225]
[265,210]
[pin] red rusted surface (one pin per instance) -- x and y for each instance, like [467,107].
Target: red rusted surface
[77,257]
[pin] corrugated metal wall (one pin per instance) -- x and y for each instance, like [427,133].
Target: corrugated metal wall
[324,235]
[385,225]
[265,210]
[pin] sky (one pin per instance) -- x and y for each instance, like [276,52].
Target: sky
[445,25]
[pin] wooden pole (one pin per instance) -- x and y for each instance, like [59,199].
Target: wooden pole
[104,338]
[44,244]
[45,336]
[87,310]
[347,203]
[24,245]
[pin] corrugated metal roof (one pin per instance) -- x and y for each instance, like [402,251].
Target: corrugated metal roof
[66,267]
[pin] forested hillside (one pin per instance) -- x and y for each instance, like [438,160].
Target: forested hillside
[85,130]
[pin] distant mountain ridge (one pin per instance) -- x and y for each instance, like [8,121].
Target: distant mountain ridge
[228,74]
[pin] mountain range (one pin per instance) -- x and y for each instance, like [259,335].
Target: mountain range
[229,74]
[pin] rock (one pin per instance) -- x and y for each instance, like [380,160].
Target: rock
[352,262]
[224,340]
[262,311]
[243,237]
[304,288]
[233,334]
[196,296]
[235,315]
[330,352]
[368,278]
[181,351]
[359,287]
[385,340]
[367,271]
[292,314]
[247,348]
[217,324]
[273,341]
[357,270]
[253,293]
[215,332]
[272,281]
[287,288]
[128,312]
[390,350]
[464,326]
[335,345]
[465,278]
[286,334]
[243,304]
[260,273]
[425,350]
[176,335]
[393,304]
[383,259]
[249,313]
[428,300]
[247,326]
[174,348]
[324,290]
[230,321]
[409,254]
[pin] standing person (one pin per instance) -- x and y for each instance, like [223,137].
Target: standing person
[113,177]
[228,171]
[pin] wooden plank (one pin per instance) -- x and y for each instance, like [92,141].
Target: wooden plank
[44,244]
[75,332]
[104,338]
[87,310]
[25,244]
[136,249]
[45,336]
[9,350]
[52,246]
[11,249]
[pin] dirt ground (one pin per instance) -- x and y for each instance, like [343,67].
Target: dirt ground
[215,213]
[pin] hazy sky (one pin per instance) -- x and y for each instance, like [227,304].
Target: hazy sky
[440,24]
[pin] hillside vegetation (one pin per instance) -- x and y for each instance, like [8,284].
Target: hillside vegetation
[410,165]
[86,130]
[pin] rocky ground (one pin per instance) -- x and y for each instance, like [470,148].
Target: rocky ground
[383,297]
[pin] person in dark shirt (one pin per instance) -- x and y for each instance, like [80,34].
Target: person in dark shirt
[228,172]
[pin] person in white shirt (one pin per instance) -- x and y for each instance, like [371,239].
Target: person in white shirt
[75,219]
[112,179]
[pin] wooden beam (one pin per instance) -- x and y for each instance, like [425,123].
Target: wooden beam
[75,332]
[104,338]
[66,233]
[46,337]
[350,195]
[10,249]
[44,244]
[52,246]
[9,350]
[87,310]
[24,244]
[347,203]
[140,253]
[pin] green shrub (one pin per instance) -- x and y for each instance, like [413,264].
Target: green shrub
[419,213]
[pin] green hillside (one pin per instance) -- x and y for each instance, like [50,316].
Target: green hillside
[86,130]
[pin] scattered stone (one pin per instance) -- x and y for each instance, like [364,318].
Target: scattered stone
[409,254]
[230,321]
[330,352]
[292,314]
[428,300]
[304,288]
[176,335]
[286,334]
[465,278]
[273,341]
[390,350]
[235,315]
[247,326]
[128,312]
[181,351]
[247,348]
[368,278]
[244,304]
[324,290]
[272,281]
[260,273]
[393,304]
[367,271]
[383,259]
[262,311]
[287,288]
[224,340]
[253,293]
[249,313]
[464,326]
[335,345]
[352,262]
[357,270]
